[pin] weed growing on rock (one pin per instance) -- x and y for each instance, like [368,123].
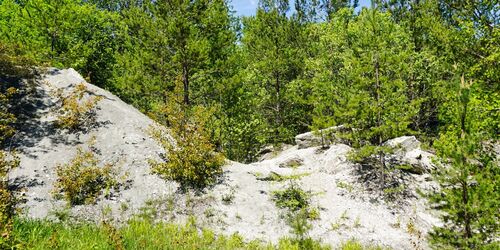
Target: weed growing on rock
[228,198]
[347,186]
[82,180]
[292,198]
[297,202]
[273,176]
[77,111]
[7,202]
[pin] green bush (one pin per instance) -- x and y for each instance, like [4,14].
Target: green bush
[12,68]
[6,118]
[7,201]
[82,180]
[292,198]
[77,111]
[191,159]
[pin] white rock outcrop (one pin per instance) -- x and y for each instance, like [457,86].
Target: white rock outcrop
[322,137]
[242,201]
[407,151]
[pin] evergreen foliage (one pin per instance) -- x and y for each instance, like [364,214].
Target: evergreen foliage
[469,178]
[190,157]
[235,85]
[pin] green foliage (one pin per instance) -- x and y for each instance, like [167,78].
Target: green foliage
[142,234]
[190,159]
[78,109]
[272,42]
[273,176]
[382,72]
[468,175]
[82,180]
[6,118]
[8,161]
[12,67]
[292,198]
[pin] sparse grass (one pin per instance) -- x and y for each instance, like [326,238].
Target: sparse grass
[335,226]
[273,176]
[344,215]
[143,234]
[209,212]
[228,198]
[347,186]
[341,222]
[357,222]
[397,224]
[356,245]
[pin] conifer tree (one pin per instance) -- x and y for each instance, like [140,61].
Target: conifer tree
[468,175]
[361,82]
[272,41]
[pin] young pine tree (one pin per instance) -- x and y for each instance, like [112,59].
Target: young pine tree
[469,177]
[190,158]
[273,45]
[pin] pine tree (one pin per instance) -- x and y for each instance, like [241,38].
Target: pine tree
[468,175]
[190,159]
[361,82]
[272,41]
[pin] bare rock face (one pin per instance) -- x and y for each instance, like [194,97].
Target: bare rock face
[121,137]
[323,137]
[406,143]
[407,152]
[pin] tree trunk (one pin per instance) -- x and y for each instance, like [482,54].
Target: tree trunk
[185,81]
[463,135]
[379,121]
[467,219]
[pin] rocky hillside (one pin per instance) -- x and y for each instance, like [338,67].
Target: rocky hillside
[343,193]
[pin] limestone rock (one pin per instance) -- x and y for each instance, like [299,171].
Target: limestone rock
[407,152]
[323,137]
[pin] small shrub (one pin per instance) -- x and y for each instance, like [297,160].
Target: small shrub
[7,162]
[82,180]
[347,186]
[292,198]
[299,222]
[6,118]
[77,111]
[228,198]
[191,159]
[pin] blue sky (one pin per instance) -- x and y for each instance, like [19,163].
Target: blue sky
[247,7]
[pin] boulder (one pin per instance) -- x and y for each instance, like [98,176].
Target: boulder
[292,162]
[407,152]
[323,137]
[406,143]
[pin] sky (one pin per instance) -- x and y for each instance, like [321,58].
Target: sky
[248,7]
